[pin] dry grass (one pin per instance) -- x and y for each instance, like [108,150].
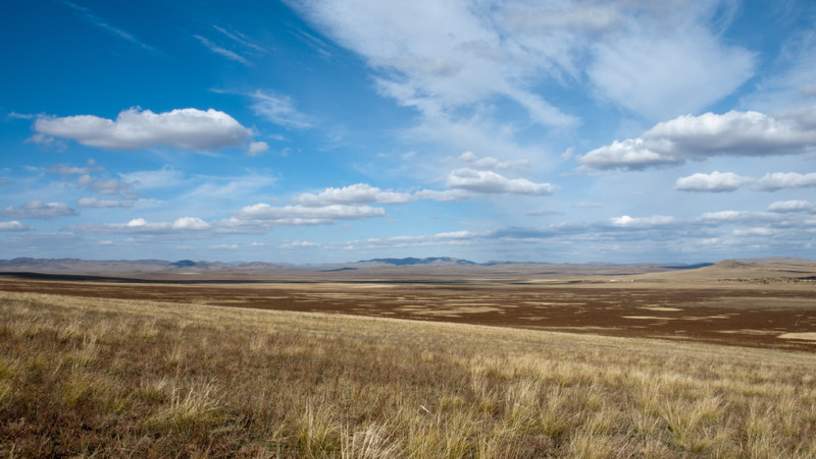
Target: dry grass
[117,378]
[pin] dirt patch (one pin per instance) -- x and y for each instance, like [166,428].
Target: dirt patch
[726,316]
[649,318]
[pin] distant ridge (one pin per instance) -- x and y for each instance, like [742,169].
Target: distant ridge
[689,266]
[184,264]
[409,261]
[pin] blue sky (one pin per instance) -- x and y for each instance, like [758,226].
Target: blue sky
[329,130]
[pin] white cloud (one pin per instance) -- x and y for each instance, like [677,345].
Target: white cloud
[655,220]
[729,181]
[257,148]
[436,239]
[39,209]
[299,245]
[480,181]
[224,247]
[489,162]
[781,180]
[263,216]
[359,193]
[241,39]
[442,53]
[185,129]
[668,72]
[632,154]
[789,81]
[229,187]
[165,177]
[699,137]
[140,225]
[105,186]
[96,203]
[791,206]
[190,223]
[13,225]
[735,216]
[447,59]
[713,182]
[221,51]
[755,231]
[443,195]
[106,26]
[70,170]
[279,110]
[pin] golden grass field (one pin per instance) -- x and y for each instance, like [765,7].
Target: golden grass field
[100,377]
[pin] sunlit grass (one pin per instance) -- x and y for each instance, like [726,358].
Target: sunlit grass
[113,378]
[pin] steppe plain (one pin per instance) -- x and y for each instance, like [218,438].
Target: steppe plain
[431,361]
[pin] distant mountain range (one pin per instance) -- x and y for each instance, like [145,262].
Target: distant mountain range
[374,267]
[410,261]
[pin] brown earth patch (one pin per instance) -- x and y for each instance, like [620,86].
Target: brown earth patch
[740,316]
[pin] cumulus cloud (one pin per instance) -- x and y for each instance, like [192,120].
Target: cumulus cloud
[140,225]
[190,223]
[443,195]
[655,220]
[435,239]
[40,210]
[795,205]
[299,245]
[481,181]
[716,182]
[489,162]
[184,129]
[13,225]
[263,216]
[280,110]
[781,180]
[735,216]
[359,193]
[690,137]
[728,181]
[257,148]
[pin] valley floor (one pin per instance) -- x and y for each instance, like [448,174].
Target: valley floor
[113,377]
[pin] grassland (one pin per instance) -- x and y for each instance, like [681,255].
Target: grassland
[129,378]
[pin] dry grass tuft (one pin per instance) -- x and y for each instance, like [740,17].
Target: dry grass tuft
[119,378]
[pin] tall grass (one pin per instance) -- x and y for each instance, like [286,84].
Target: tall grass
[115,378]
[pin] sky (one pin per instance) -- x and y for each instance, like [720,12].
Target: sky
[322,131]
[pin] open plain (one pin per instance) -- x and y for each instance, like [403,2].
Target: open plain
[713,362]
[749,304]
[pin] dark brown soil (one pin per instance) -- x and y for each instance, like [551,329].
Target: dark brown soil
[739,316]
